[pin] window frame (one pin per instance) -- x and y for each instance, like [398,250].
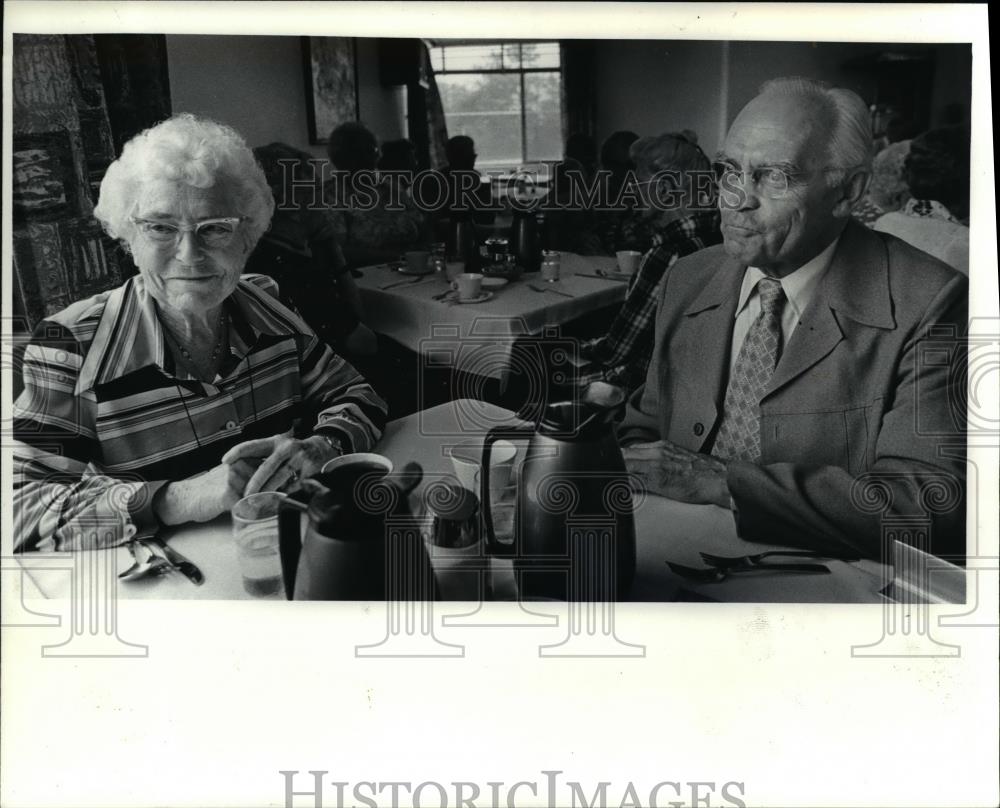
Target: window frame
[521,71]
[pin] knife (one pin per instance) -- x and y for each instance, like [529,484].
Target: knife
[180,563]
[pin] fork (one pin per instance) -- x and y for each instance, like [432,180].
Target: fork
[727,562]
[716,574]
[554,291]
[153,564]
[394,284]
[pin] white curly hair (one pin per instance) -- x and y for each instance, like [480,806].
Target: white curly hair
[193,151]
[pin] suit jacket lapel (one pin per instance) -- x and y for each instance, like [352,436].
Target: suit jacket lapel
[708,340]
[855,287]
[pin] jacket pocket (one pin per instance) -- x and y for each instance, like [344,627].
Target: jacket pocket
[840,437]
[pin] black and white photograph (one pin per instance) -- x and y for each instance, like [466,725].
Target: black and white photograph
[405,403]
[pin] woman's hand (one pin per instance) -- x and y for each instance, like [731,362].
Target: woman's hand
[204,496]
[281,460]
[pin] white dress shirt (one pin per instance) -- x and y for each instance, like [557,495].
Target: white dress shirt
[799,286]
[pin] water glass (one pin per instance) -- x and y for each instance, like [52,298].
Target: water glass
[255,531]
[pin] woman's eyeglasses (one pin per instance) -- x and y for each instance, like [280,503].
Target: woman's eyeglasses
[208,232]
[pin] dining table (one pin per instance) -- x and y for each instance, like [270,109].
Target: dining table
[419,313]
[666,531]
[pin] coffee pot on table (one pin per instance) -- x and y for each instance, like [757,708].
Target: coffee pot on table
[574,532]
[338,538]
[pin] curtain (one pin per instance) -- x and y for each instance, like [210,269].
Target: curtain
[578,87]
[66,133]
[437,128]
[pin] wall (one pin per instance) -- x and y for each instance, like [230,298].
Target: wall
[652,87]
[753,63]
[256,85]
[661,86]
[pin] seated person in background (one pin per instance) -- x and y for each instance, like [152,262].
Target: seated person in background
[570,226]
[167,399]
[620,226]
[467,193]
[372,221]
[786,362]
[936,218]
[888,190]
[671,171]
[300,252]
[399,162]
[398,155]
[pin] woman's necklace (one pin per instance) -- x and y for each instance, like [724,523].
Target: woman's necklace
[216,350]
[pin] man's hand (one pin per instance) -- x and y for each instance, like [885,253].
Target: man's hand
[204,496]
[281,459]
[670,471]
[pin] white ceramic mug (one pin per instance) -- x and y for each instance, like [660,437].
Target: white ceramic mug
[469,285]
[628,261]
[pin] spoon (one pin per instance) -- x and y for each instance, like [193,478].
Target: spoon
[534,288]
[151,564]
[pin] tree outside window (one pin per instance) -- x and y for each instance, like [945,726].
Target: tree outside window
[505,96]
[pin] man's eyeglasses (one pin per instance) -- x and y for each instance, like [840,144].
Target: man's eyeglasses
[770,181]
[208,232]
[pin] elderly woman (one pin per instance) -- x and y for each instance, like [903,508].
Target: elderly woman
[165,400]
[675,183]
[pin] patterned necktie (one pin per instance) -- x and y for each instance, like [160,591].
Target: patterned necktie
[739,434]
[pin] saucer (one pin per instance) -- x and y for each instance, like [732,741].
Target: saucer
[482,298]
[494,283]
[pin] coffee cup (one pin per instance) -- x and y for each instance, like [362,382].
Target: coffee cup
[469,285]
[357,464]
[628,261]
[416,261]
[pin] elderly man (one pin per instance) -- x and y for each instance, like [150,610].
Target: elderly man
[788,362]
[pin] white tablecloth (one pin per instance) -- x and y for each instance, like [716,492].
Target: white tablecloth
[665,530]
[478,337]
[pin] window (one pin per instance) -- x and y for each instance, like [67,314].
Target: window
[505,96]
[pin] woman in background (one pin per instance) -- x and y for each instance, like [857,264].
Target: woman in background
[373,222]
[299,250]
[680,211]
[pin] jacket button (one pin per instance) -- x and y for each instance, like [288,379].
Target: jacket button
[230,425]
[699,429]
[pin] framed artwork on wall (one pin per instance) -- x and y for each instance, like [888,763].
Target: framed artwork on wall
[331,83]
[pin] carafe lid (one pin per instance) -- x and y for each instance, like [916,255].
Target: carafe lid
[585,416]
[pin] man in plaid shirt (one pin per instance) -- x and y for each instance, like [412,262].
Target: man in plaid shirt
[622,355]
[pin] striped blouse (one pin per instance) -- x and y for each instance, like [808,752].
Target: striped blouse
[106,418]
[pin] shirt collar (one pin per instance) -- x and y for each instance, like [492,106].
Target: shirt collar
[129,335]
[799,286]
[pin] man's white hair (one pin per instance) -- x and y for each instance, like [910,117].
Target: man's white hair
[851,145]
[192,151]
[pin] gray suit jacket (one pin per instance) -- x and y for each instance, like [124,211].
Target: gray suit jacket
[863,423]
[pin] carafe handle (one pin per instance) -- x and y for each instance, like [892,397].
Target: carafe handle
[493,546]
